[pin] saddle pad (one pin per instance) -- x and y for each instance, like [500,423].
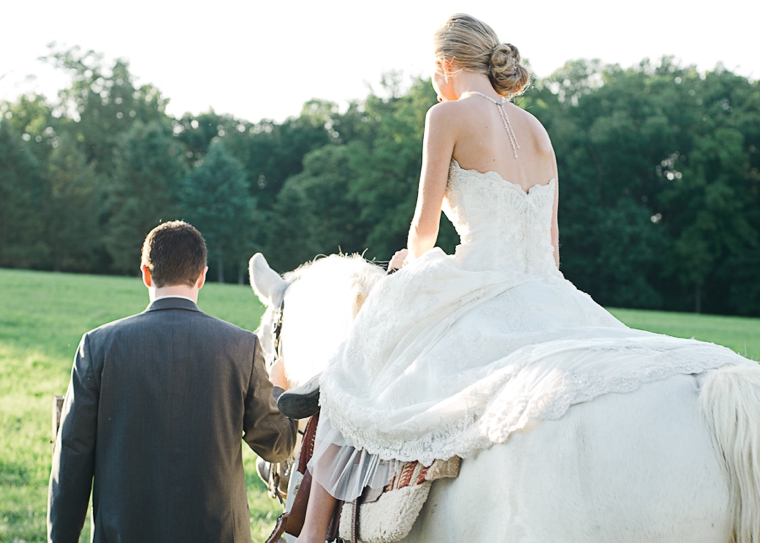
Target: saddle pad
[391,516]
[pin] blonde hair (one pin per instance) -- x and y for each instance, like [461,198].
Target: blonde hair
[474,46]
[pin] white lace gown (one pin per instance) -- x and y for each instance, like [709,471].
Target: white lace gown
[455,352]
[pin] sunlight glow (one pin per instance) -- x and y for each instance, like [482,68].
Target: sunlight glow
[281,56]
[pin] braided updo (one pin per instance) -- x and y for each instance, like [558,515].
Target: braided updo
[474,46]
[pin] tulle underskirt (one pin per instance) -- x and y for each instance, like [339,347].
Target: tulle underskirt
[344,471]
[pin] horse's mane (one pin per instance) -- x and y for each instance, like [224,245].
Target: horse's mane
[322,301]
[350,273]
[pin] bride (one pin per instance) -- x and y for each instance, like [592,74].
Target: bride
[454,352]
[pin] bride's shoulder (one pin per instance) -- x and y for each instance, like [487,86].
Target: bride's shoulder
[463,107]
[445,121]
[538,134]
[444,112]
[453,116]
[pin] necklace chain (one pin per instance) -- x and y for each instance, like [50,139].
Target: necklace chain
[504,119]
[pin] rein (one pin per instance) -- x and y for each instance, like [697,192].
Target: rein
[277,331]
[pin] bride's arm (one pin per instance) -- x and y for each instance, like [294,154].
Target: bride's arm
[437,148]
[555,224]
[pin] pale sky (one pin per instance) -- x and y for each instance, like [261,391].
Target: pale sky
[257,59]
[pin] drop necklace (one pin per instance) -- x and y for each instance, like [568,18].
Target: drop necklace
[504,118]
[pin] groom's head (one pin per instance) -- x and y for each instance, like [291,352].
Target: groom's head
[174,254]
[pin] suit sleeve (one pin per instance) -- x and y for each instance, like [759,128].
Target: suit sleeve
[74,454]
[268,432]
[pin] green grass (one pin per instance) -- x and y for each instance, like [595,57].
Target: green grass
[741,334]
[43,316]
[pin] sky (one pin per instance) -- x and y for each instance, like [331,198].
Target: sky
[255,59]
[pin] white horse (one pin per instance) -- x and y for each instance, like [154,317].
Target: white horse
[678,460]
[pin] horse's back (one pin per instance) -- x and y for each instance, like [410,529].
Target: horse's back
[623,468]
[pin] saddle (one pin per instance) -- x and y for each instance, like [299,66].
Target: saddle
[384,519]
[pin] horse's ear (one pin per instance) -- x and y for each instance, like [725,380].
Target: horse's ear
[266,283]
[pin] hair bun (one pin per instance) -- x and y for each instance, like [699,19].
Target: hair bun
[474,46]
[502,56]
[507,75]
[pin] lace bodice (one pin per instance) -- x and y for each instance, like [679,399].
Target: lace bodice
[501,226]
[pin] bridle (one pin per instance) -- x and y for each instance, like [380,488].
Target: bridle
[277,330]
[274,484]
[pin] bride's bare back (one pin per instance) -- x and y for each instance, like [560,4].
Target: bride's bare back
[482,142]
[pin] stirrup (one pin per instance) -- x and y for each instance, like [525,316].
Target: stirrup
[301,402]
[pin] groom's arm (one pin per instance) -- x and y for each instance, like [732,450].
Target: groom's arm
[268,432]
[74,455]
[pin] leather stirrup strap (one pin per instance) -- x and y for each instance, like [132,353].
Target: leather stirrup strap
[297,514]
[355,520]
[307,443]
[334,528]
[279,529]
[292,522]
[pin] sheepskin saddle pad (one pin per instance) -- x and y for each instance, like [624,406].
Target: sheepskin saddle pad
[391,516]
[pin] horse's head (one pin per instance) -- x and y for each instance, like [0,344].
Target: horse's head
[320,300]
[270,289]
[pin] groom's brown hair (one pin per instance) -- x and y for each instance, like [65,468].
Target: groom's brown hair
[175,253]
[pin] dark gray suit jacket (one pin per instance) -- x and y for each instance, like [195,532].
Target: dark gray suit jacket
[152,422]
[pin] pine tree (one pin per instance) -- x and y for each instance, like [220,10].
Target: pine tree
[215,198]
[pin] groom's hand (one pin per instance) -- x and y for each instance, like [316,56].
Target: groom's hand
[277,374]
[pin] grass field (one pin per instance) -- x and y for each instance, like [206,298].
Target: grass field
[43,316]
[738,333]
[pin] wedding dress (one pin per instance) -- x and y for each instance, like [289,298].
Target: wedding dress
[455,352]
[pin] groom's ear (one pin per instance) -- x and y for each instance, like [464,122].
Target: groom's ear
[201,278]
[147,279]
[266,283]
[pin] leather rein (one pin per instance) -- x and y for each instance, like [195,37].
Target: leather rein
[277,329]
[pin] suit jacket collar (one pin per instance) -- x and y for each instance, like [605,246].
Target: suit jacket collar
[172,303]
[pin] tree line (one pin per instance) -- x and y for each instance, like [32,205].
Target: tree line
[659,178]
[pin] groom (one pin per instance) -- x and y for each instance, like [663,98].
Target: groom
[155,411]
